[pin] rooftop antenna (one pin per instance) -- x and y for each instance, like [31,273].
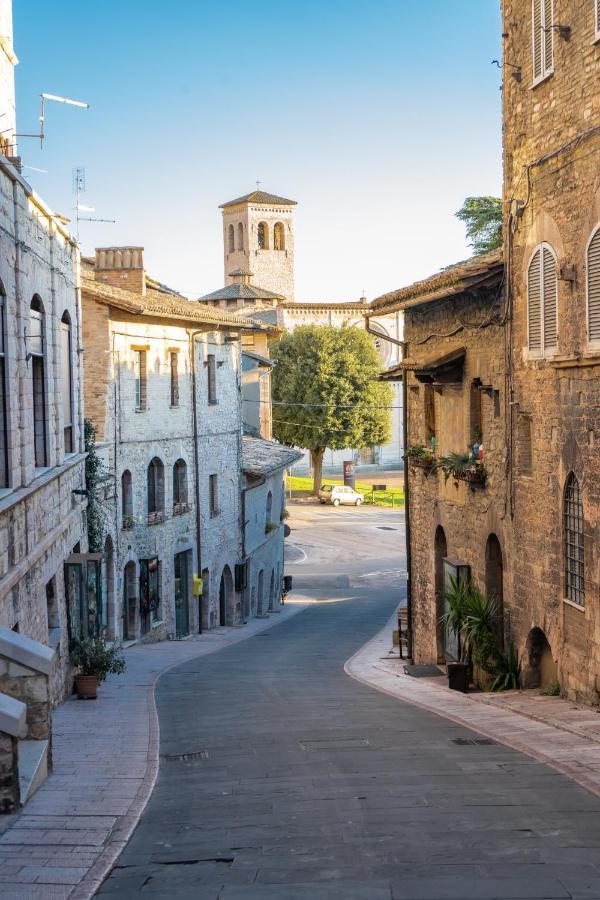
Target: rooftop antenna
[55,99]
[258,185]
[78,189]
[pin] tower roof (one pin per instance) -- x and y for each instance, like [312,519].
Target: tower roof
[241,292]
[260,197]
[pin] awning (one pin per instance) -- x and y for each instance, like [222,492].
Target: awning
[446,369]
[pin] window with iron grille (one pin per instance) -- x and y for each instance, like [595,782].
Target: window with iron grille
[173,359]
[4,476]
[211,366]
[213,485]
[573,542]
[36,345]
[66,381]
[542,39]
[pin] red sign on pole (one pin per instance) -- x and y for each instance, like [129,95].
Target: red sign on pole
[349,473]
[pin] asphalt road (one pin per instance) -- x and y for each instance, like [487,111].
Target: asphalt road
[283,779]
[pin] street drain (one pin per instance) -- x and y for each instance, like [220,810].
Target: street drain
[183,757]
[336,744]
[386,528]
[473,742]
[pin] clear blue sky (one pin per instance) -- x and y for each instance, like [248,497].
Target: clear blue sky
[378,118]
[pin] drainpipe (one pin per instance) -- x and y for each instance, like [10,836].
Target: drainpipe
[409,606]
[193,335]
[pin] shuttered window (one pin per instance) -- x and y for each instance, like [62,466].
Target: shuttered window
[211,365]
[597,5]
[173,359]
[542,38]
[213,490]
[141,380]
[593,285]
[542,302]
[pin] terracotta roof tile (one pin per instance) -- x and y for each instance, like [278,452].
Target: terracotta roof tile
[260,197]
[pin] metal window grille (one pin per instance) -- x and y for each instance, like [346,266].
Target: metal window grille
[211,364]
[214,494]
[141,380]
[573,541]
[174,379]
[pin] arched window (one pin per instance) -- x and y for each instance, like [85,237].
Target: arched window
[542,301]
[593,286]
[279,236]
[231,239]
[4,479]
[36,350]
[263,236]
[66,381]
[240,245]
[156,489]
[180,495]
[573,541]
[269,510]
[127,499]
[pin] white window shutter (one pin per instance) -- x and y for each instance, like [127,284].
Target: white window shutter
[534,301]
[538,34]
[593,285]
[548,36]
[550,299]
[597,2]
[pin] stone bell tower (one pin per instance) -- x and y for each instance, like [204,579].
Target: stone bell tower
[258,237]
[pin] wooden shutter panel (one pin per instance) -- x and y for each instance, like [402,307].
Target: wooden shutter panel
[534,301]
[537,39]
[548,36]
[143,380]
[550,299]
[598,17]
[593,280]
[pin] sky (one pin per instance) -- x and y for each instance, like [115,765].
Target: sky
[378,118]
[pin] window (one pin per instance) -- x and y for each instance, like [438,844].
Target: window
[241,230]
[180,495]
[231,239]
[263,236]
[593,285]
[66,381]
[542,301]
[141,379]
[213,489]
[4,478]
[524,447]
[269,510]
[573,542]
[127,499]
[83,589]
[36,349]
[429,401]
[211,366]
[597,11]
[279,236]
[149,589]
[156,494]
[174,361]
[543,39]
[476,397]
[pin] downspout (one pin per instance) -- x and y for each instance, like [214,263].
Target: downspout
[21,316]
[193,336]
[409,606]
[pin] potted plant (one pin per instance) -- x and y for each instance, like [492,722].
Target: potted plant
[463,467]
[95,660]
[128,522]
[420,457]
[453,622]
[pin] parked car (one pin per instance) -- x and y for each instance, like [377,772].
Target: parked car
[340,493]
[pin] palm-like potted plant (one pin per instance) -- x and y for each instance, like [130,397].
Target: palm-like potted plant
[95,661]
[453,622]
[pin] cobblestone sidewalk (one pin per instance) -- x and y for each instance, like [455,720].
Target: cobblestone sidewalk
[105,752]
[554,731]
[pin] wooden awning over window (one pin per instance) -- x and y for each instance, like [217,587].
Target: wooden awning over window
[446,369]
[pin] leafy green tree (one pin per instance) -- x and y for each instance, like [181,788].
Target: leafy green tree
[483,218]
[332,371]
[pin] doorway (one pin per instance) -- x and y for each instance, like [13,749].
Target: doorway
[182,594]
[440,551]
[129,603]
[225,591]
[541,669]
[494,579]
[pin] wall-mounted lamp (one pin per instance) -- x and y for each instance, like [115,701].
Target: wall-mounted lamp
[564,31]
[516,73]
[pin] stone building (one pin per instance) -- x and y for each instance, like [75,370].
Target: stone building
[258,249]
[551,116]
[42,482]
[163,389]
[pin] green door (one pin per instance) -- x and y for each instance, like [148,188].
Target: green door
[182,623]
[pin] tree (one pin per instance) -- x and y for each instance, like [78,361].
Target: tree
[483,218]
[332,371]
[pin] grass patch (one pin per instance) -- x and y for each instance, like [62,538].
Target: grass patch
[301,486]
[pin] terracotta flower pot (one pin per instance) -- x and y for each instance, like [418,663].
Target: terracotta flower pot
[87,686]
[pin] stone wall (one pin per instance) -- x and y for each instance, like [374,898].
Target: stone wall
[552,161]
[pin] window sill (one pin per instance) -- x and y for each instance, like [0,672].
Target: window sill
[541,80]
[576,606]
[213,402]
[215,513]
[155,518]
[141,409]
[156,623]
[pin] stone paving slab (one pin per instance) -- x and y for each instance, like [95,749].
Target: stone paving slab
[551,730]
[105,752]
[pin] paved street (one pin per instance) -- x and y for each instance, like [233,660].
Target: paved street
[281,777]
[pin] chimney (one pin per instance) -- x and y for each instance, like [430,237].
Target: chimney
[240,276]
[122,267]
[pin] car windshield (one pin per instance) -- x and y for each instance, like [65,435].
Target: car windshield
[326,487]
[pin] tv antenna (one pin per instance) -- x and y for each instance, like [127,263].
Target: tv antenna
[78,189]
[55,99]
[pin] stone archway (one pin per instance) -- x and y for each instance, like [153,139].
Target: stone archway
[494,579]
[440,547]
[540,669]
[225,597]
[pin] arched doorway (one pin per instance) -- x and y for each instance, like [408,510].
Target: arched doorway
[272,590]
[261,591]
[494,579]
[129,603]
[204,601]
[225,594]
[108,589]
[440,552]
[540,667]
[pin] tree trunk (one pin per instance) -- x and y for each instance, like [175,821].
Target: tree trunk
[317,463]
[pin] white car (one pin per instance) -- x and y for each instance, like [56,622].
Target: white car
[337,494]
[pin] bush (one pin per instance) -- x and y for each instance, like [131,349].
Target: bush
[93,657]
[507,671]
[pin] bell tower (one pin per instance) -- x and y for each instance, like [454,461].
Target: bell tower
[258,237]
